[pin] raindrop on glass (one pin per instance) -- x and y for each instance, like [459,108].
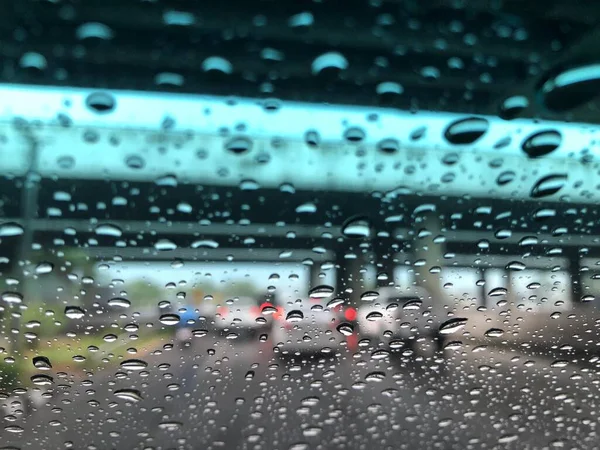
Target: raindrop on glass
[541,143]
[452,325]
[74,312]
[466,131]
[548,185]
[356,228]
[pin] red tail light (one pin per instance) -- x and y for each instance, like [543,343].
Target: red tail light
[255,310]
[222,311]
[350,314]
[279,314]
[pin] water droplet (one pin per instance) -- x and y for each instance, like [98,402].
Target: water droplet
[376,376]
[356,228]
[508,438]
[498,291]
[238,145]
[169,319]
[389,89]
[345,328]
[268,309]
[134,364]
[42,380]
[412,304]
[322,291]
[559,363]
[430,73]
[110,338]
[42,363]
[218,65]
[164,245]
[101,102]
[528,240]
[380,354]
[129,395]
[169,79]
[12,297]
[374,316]
[452,325]
[312,432]
[312,138]
[167,180]
[541,143]
[306,208]
[397,344]
[503,233]
[301,20]
[310,401]
[249,185]
[74,312]
[450,158]
[513,106]
[170,426]
[135,162]
[13,429]
[330,61]
[335,302]
[418,133]
[502,143]
[294,316]
[9,229]
[131,327]
[466,131]
[516,266]
[108,229]
[369,296]
[453,345]
[505,177]
[94,30]
[494,332]
[388,146]
[354,134]
[205,243]
[119,302]
[548,185]
[299,446]
[65,162]
[571,88]
[44,268]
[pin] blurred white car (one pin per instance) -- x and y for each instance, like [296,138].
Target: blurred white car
[307,329]
[399,314]
[242,316]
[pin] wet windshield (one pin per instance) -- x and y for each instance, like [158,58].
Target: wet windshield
[299,225]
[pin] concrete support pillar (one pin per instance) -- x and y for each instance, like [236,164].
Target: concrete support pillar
[314,279]
[384,252]
[495,278]
[575,273]
[349,276]
[429,255]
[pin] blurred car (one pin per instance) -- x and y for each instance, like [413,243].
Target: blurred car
[187,321]
[402,315]
[244,317]
[308,330]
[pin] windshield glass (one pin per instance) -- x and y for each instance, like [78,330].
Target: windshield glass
[299,225]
